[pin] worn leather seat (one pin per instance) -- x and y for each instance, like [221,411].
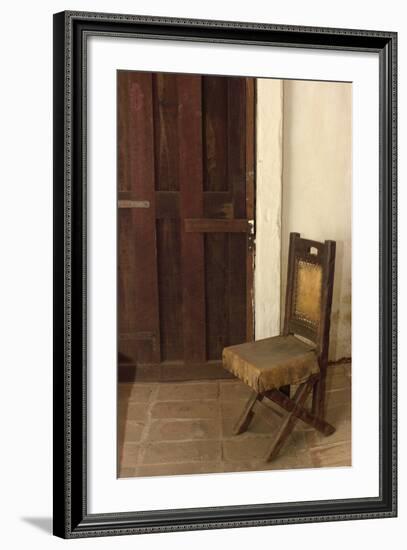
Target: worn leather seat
[272,362]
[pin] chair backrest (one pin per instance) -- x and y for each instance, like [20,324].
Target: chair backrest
[310,280]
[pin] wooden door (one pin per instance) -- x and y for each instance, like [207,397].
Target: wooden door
[185,211]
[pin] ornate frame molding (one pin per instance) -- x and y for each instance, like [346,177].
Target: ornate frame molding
[71,30]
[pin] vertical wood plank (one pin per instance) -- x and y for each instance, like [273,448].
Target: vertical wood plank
[237,144]
[123,132]
[126,267]
[217,293]
[215,176]
[250,201]
[191,187]
[165,109]
[215,134]
[125,259]
[126,291]
[170,289]
[237,183]
[136,174]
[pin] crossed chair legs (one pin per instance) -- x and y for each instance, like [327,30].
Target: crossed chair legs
[295,408]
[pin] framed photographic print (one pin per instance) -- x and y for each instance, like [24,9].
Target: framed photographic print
[224,274]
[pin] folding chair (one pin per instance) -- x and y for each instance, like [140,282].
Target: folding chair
[300,355]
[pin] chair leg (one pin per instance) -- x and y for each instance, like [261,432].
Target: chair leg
[318,396]
[286,428]
[303,414]
[246,417]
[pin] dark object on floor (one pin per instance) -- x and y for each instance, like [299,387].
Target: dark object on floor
[271,365]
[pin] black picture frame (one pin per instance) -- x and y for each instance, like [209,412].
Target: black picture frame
[71,518]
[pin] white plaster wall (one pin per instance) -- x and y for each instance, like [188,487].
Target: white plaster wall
[317,185]
[269,171]
[304,184]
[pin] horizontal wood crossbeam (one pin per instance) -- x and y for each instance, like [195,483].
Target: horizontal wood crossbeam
[210,225]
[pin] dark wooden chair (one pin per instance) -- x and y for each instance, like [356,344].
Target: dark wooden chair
[300,355]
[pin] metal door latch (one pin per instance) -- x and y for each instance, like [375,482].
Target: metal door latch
[251,234]
[133,204]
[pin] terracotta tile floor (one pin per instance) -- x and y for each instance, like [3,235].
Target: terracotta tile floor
[186,428]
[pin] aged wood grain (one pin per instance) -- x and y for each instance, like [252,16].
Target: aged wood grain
[215,132]
[170,289]
[207,225]
[137,247]
[165,102]
[185,192]
[191,188]
[237,184]
[166,158]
